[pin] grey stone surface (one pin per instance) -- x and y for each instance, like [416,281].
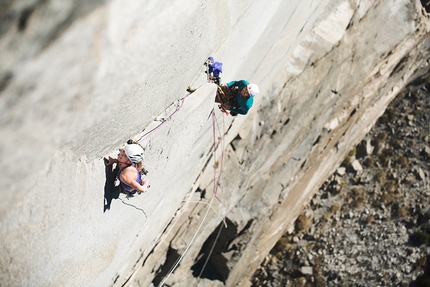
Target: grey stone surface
[102,73]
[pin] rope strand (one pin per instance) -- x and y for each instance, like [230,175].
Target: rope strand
[215,188]
[216,181]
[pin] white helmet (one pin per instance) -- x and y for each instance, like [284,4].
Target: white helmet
[134,152]
[253,89]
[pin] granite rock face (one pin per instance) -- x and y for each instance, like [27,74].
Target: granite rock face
[366,227]
[78,79]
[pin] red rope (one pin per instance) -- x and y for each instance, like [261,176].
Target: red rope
[165,120]
[218,179]
[214,125]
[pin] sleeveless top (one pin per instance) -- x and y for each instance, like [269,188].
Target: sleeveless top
[125,186]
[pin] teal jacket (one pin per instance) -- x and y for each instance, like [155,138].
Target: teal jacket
[243,105]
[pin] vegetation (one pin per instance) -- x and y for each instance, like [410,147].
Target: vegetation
[403,161]
[390,186]
[421,237]
[381,138]
[303,222]
[381,177]
[368,162]
[335,207]
[385,157]
[370,219]
[423,281]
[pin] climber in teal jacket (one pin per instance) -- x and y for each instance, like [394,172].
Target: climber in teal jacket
[236,96]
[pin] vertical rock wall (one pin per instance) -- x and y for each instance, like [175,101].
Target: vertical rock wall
[336,82]
[78,79]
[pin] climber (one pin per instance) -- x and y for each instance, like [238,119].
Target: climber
[129,169]
[213,70]
[236,97]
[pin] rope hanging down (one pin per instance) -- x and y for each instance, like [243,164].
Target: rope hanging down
[215,188]
[216,178]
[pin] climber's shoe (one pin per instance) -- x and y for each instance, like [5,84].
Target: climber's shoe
[189,90]
[145,171]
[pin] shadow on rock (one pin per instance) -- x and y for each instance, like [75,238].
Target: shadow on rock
[111,191]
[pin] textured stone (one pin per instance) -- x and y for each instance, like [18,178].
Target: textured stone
[306,270]
[326,71]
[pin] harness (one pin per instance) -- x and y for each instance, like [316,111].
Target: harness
[226,98]
[125,187]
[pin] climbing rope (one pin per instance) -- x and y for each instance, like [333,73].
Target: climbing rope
[215,189]
[210,253]
[164,120]
[222,218]
[138,208]
[173,268]
[215,123]
[216,180]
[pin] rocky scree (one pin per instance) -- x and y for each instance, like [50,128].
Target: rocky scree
[369,223]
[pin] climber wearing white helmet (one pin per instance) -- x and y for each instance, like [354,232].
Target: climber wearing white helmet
[129,169]
[236,96]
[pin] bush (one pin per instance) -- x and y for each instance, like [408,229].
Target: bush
[347,161]
[303,223]
[387,198]
[402,212]
[403,161]
[342,186]
[327,216]
[381,177]
[397,143]
[359,201]
[385,157]
[356,191]
[423,281]
[381,137]
[390,186]
[421,237]
[335,207]
[352,152]
[368,162]
[421,262]
[282,245]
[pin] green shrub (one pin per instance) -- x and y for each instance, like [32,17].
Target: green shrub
[342,186]
[385,157]
[381,137]
[370,219]
[303,223]
[327,216]
[421,237]
[387,198]
[335,207]
[390,114]
[359,201]
[403,161]
[352,152]
[397,143]
[402,212]
[417,111]
[381,177]
[421,262]
[356,192]
[320,281]
[347,161]
[368,162]
[423,281]
[390,185]
[282,245]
